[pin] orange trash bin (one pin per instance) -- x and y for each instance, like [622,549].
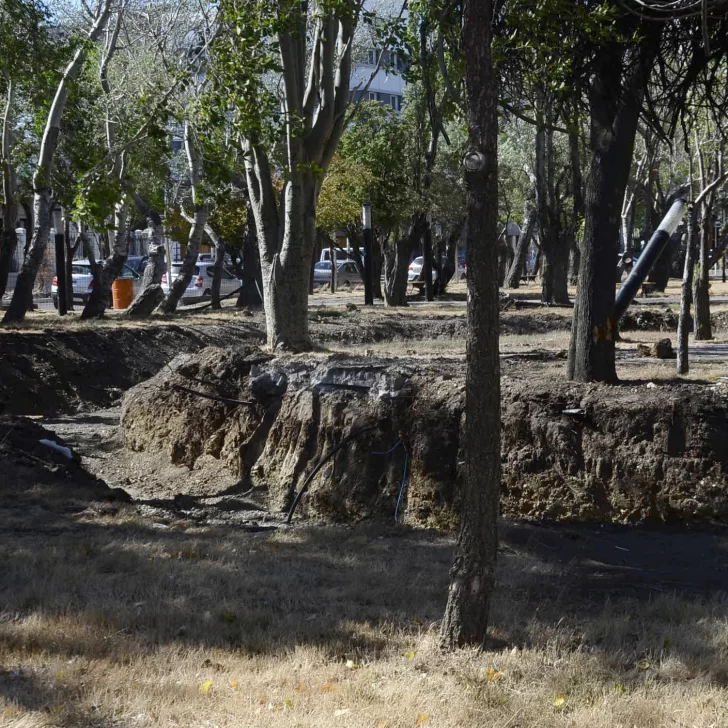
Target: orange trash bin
[122,293]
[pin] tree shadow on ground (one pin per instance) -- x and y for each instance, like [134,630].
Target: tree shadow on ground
[100,581]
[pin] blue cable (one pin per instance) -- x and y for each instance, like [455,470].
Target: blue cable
[389,452]
[402,487]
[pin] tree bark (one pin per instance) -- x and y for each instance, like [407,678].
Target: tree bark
[518,265]
[202,211]
[577,187]
[219,265]
[151,293]
[23,295]
[555,245]
[615,108]
[702,328]
[219,245]
[472,576]
[684,321]
[8,236]
[251,292]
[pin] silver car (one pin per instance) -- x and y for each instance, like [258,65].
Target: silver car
[200,285]
[346,273]
[414,273]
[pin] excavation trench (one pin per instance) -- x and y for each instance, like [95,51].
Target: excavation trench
[570,452]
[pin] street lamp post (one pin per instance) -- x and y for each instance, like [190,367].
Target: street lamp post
[366,218]
[60,261]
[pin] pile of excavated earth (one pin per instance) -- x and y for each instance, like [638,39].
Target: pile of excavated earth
[570,452]
[206,413]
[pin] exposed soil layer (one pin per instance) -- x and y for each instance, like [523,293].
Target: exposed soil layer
[45,372]
[66,370]
[570,452]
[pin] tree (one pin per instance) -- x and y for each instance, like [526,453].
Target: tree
[472,576]
[43,196]
[28,55]
[621,71]
[295,126]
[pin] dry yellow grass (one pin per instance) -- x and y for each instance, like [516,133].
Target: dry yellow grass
[115,621]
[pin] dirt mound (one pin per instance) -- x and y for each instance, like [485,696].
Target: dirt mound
[53,371]
[647,319]
[43,477]
[570,452]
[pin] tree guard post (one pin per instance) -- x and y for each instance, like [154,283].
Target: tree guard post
[650,254]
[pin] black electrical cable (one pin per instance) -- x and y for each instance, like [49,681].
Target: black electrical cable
[320,465]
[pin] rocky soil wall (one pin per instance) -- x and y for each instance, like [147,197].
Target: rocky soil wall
[619,454]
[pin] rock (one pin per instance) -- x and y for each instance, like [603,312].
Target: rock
[268,384]
[661,349]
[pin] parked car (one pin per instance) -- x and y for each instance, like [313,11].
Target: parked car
[414,274]
[83,281]
[200,285]
[346,273]
[137,263]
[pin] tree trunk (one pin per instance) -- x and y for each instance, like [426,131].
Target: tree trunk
[217,269]
[23,296]
[182,281]
[614,114]
[286,274]
[555,275]
[113,265]
[684,321]
[427,258]
[518,266]
[202,212]
[251,293]
[396,259]
[149,296]
[555,245]
[8,236]
[219,264]
[577,189]
[702,327]
[450,257]
[472,576]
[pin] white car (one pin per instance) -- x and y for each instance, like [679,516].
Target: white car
[200,285]
[414,273]
[83,281]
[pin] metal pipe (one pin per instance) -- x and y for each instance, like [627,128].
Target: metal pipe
[649,256]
